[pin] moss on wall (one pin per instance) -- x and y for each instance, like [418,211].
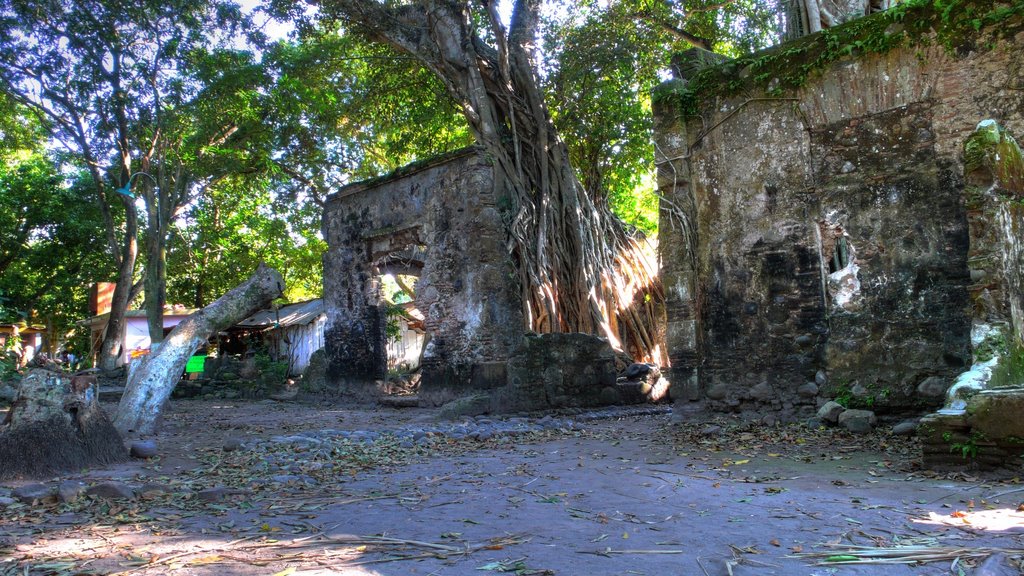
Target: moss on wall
[957,25]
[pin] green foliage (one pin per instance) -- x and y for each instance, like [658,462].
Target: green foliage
[951,23]
[969,448]
[49,231]
[991,148]
[844,396]
[392,314]
[1009,371]
[994,344]
[603,70]
[272,372]
[224,236]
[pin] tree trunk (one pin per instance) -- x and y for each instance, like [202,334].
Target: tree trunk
[578,269]
[111,349]
[56,425]
[155,286]
[151,384]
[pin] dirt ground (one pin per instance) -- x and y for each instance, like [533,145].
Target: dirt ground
[657,494]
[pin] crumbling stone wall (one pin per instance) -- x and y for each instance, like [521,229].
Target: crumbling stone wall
[440,221]
[815,240]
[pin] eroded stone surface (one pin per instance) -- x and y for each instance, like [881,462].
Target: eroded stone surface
[442,222]
[827,238]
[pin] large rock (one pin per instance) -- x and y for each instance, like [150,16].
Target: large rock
[33,493]
[111,490]
[858,421]
[144,449]
[829,413]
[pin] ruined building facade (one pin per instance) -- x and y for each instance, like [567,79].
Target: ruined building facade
[824,241]
[438,221]
[821,238]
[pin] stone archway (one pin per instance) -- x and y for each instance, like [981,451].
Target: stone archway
[442,220]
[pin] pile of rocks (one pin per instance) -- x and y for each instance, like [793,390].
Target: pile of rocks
[833,413]
[857,421]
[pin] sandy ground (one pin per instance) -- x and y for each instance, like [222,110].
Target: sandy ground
[641,495]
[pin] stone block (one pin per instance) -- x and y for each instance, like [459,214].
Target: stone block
[996,414]
[143,449]
[807,390]
[905,428]
[34,493]
[857,421]
[111,490]
[70,490]
[829,413]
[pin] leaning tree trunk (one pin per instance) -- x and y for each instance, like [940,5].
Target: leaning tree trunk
[579,271]
[56,425]
[151,384]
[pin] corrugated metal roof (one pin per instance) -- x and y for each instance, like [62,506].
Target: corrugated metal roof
[288,315]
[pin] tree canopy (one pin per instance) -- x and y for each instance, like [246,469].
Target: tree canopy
[240,137]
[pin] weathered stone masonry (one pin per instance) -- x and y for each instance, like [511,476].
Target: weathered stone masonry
[815,242]
[439,221]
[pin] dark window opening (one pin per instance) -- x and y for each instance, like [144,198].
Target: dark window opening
[840,256]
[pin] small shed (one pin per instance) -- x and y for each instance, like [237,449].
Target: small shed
[136,330]
[29,340]
[291,332]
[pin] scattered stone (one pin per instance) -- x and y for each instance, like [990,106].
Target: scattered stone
[814,423]
[804,340]
[34,493]
[143,449]
[110,490]
[215,494]
[807,390]
[6,501]
[70,490]
[153,488]
[858,421]
[820,378]
[905,428]
[406,401]
[466,406]
[233,444]
[829,413]
[762,392]
[292,479]
[297,440]
[711,430]
[718,392]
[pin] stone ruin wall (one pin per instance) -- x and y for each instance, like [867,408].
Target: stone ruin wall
[440,222]
[866,159]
